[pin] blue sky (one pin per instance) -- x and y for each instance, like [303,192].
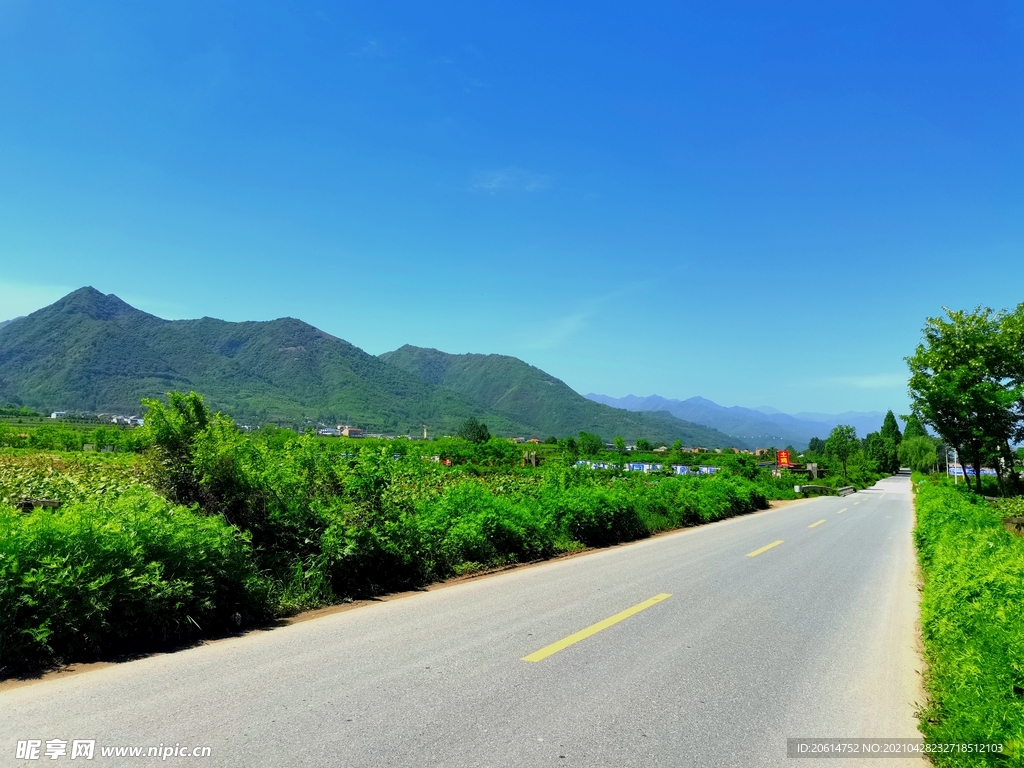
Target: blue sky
[756,203]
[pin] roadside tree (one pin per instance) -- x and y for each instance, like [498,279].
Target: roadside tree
[842,444]
[918,453]
[967,382]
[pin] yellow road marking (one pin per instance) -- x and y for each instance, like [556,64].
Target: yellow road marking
[841,510]
[757,552]
[583,634]
[815,525]
[856,503]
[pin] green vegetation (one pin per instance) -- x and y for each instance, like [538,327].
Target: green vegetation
[972,623]
[207,529]
[541,403]
[918,453]
[841,445]
[95,353]
[967,382]
[473,431]
[108,576]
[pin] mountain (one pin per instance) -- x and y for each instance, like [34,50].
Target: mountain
[525,394]
[8,322]
[764,426]
[92,352]
[95,353]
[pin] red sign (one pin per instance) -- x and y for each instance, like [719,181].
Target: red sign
[782,458]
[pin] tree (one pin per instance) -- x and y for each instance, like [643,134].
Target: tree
[552,440]
[918,453]
[474,431]
[891,429]
[620,444]
[644,445]
[841,444]
[677,446]
[174,429]
[816,446]
[879,450]
[569,446]
[967,381]
[590,445]
[914,427]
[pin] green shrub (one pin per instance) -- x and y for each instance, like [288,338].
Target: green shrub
[362,560]
[972,618]
[469,524]
[595,516]
[106,577]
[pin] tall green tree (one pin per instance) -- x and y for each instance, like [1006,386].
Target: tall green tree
[570,448]
[918,453]
[914,428]
[891,428]
[590,445]
[841,444]
[879,450]
[620,443]
[474,431]
[967,381]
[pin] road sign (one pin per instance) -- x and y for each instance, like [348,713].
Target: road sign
[782,457]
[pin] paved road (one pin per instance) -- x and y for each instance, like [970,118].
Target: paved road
[811,638]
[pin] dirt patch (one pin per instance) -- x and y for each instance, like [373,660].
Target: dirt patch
[784,503]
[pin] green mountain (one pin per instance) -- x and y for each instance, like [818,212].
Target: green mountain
[528,395]
[91,352]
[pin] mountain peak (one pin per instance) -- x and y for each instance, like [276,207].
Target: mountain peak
[92,303]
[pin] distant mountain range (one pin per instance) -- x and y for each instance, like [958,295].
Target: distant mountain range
[764,426]
[93,352]
[529,396]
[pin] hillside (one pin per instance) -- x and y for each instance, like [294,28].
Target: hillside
[93,352]
[528,395]
[763,426]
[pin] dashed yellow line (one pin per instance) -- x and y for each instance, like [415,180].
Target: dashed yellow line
[841,510]
[856,503]
[583,634]
[757,552]
[815,525]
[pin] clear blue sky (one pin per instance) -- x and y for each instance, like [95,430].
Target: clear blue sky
[756,203]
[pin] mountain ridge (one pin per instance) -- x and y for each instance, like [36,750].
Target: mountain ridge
[93,352]
[525,393]
[765,426]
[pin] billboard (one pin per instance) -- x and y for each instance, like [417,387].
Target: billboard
[782,457]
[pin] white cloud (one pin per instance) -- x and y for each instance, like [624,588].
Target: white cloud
[510,180]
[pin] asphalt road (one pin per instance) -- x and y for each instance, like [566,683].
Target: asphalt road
[814,637]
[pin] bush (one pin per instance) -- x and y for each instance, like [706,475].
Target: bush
[107,577]
[973,625]
[470,525]
[595,516]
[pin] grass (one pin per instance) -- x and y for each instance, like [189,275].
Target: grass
[972,617]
